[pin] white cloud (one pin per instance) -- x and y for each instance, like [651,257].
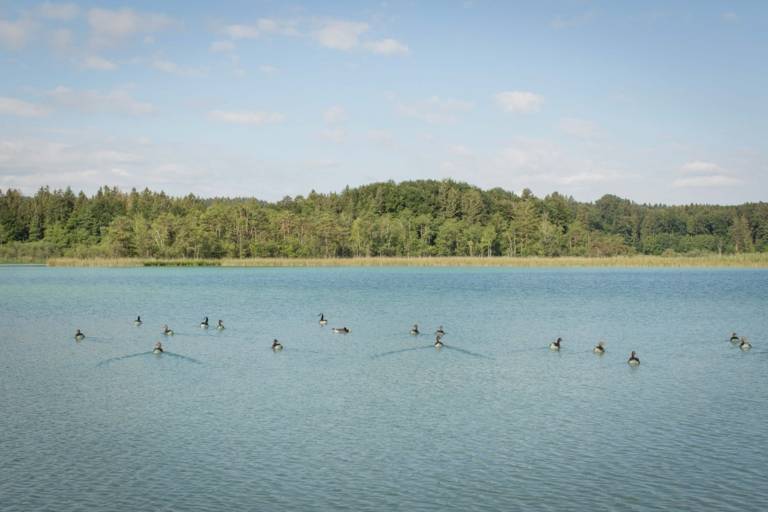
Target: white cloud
[109,26]
[62,12]
[61,39]
[714,180]
[115,101]
[99,63]
[222,46]
[262,27]
[20,108]
[167,66]
[519,101]
[246,117]
[387,47]
[435,110]
[15,34]
[578,127]
[700,167]
[268,70]
[336,135]
[335,114]
[340,34]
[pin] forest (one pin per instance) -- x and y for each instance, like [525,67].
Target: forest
[408,219]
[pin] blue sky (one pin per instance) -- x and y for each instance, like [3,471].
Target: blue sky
[654,101]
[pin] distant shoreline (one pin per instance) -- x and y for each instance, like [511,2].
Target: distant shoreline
[752,260]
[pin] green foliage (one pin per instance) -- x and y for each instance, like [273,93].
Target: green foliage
[409,219]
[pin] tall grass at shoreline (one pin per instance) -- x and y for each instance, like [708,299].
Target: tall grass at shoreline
[752,260]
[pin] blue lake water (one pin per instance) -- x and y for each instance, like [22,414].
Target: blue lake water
[379,419]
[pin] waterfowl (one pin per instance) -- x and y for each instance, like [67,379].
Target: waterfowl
[204,323]
[323,321]
[220,325]
[341,330]
[744,344]
[440,332]
[735,338]
[555,345]
[276,345]
[138,320]
[415,330]
[438,342]
[633,359]
[599,348]
[167,330]
[79,335]
[158,348]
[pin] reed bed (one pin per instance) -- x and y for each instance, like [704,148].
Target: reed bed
[755,260]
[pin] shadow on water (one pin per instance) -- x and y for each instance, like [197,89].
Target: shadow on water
[148,353]
[424,347]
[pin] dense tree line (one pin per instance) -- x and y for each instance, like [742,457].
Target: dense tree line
[416,218]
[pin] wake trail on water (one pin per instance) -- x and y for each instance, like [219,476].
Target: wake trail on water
[148,353]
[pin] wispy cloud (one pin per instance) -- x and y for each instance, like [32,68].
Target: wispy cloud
[580,128]
[98,63]
[435,110]
[700,167]
[115,101]
[335,114]
[20,108]
[167,66]
[388,47]
[245,117]
[111,26]
[716,180]
[519,101]
[14,35]
[222,46]
[262,27]
[60,12]
[340,34]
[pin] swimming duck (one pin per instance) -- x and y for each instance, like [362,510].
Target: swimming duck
[167,330]
[341,330]
[633,359]
[138,320]
[79,335]
[438,342]
[158,348]
[599,348]
[440,332]
[220,325]
[744,344]
[555,345]
[204,323]
[415,330]
[323,321]
[276,345]
[735,338]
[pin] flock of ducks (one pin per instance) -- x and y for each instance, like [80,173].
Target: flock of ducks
[599,349]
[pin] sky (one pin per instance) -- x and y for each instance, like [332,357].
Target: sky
[658,102]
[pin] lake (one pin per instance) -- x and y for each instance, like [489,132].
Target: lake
[379,419]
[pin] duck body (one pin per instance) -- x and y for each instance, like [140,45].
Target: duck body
[555,345]
[633,359]
[599,349]
[204,323]
[744,344]
[438,343]
[341,330]
[220,325]
[137,321]
[323,321]
[79,335]
[277,346]
[167,331]
[415,330]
